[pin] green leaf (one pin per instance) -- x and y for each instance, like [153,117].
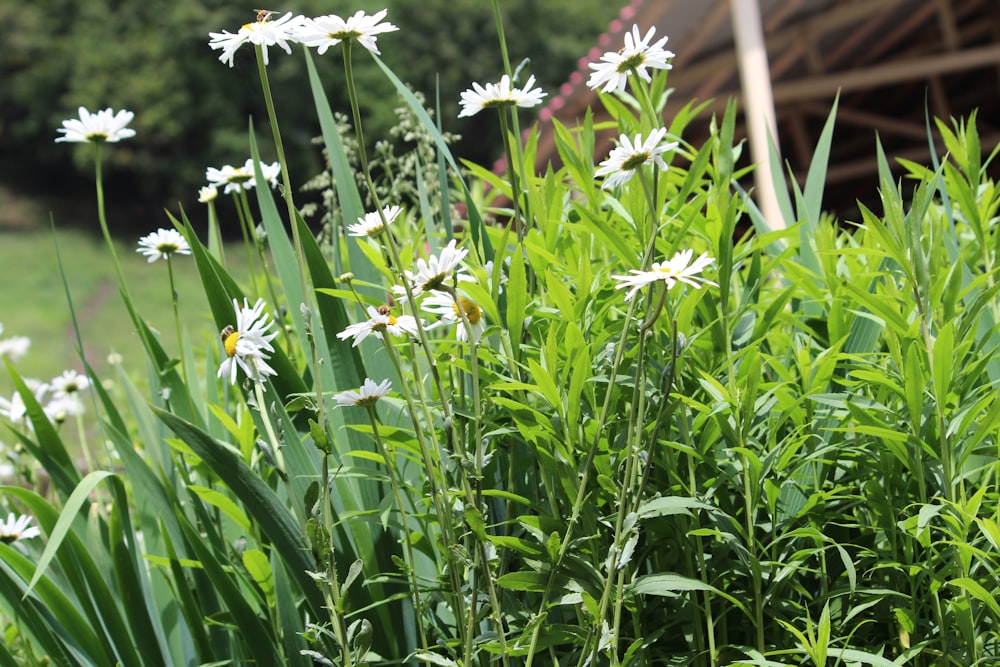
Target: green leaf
[257,564]
[977,591]
[260,501]
[666,585]
[80,495]
[223,502]
[259,638]
[524,581]
[670,505]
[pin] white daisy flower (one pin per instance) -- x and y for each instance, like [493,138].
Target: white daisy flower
[68,383]
[207,194]
[233,179]
[679,269]
[369,394]
[446,308]
[228,177]
[247,343]
[17,528]
[270,172]
[323,32]
[499,94]
[163,243]
[63,406]
[615,67]
[436,271]
[13,408]
[263,32]
[371,224]
[14,347]
[625,160]
[102,127]
[380,319]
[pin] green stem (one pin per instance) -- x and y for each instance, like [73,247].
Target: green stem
[332,590]
[515,124]
[404,519]
[515,182]
[293,222]
[279,458]
[646,102]
[249,237]
[177,317]
[215,246]
[102,218]
[286,181]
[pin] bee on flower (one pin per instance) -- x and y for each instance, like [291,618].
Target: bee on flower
[263,32]
[248,343]
[456,311]
[615,67]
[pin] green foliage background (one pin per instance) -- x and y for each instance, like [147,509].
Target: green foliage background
[192,111]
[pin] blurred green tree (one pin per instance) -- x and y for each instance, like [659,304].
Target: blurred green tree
[192,111]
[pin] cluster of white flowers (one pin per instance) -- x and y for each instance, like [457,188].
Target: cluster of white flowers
[234,179]
[60,398]
[320,33]
[436,282]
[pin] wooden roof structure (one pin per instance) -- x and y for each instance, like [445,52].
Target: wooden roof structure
[890,60]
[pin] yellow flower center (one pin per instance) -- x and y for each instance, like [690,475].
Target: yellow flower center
[230,343]
[667,270]
[472,312]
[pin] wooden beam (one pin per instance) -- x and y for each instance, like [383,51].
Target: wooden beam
[884,124]
[882,75]
[694,41]
[949,27]
[818,25]
[846,171]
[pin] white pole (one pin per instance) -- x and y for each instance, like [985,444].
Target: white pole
[758,103]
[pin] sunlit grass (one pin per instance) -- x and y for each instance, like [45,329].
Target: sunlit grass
[35,301]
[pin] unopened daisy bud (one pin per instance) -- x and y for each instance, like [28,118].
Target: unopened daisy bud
[207,194]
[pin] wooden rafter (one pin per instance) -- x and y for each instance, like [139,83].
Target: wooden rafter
[887,58]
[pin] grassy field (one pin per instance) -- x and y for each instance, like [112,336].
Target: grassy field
[34,301]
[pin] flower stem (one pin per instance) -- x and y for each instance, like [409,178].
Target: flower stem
[265,416]
[404,519]
[102,218]
[293,222]
[177,317]
[332,591]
